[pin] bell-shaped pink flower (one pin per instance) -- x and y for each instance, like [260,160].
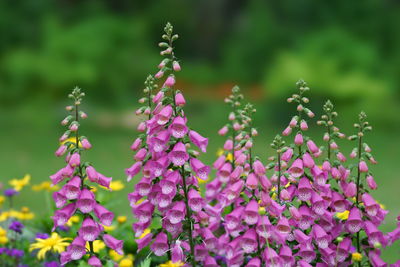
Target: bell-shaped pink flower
[95,262]
[354,223]
[77,249]
[223,131]
[252,181]
[178,128]
[350,189]
[196,202]
[89,230]
[178,155]
[92,174]
[301,237]
[61,216]
[317,204]
[312,147]
[143,187]
[296,170]
[144,241]
[130,172]
[209,239]
[307,218]
[86,201]
[308,161]
[199,168]
[105,216]
[104,181]
[86,144]
[160,244]
[249,241]
[264,227]
[250,214]
[140,154]
[287,155]
[232,220]
[170,81]
[258,167]
[362,166]
[144,211]
[371,207]
[320,236]
[200,141]
[371,182]
[283,226]
[298,139]
[180,100]
[75,160]
[234,190]
[304,190]
[113,243]
[177,213]
[210,262]
[164,115]
[59,198]
[338,202]
[177,254]
[72,188]
[136,144]
[61,150]
[287,131]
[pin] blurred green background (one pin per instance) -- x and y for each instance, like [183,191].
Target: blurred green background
[348,51]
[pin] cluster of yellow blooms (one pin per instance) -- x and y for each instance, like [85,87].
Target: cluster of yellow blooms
[3,236]
[24,214]
[18,184]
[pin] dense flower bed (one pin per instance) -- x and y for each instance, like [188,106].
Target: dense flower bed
[308,205]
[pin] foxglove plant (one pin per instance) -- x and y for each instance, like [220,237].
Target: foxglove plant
[166,158]
[76,197]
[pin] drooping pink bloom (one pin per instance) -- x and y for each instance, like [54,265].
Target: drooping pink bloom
[362,166]
[196,202]
[312,147]
[170,81]
[177,213]
[164,115]
[178,155]
[298,139]
[61,216]
[113,243]
[223,131]
[354,223]
[92,174]
[199,168]
[308,161]
[89,230]
[160,244]
[86,201]
[252,181]
[59,198]
[180,100]
[95,262]
[77,248]
[320,236]
[250,214]
[258,167]
[304,190]
[130,172]
[371,207]
[105,216]
[249,241]
[86,144]
[144,241]
[178,127]
[61,150]
[371,182]
[75,160]
[200,141]
[296,170]
[283,225]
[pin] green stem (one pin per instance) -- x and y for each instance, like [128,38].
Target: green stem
[279,177]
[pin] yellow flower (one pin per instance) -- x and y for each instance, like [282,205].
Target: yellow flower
[220,152]
[25,214]
[261,210]
[116,185]
[45,186]
[127,261]
[3,236]
[72,220]
[171,264]
[18,184]
[273,189]
[356,256]
[201,181]
[108,228]
[2,199]
[121,219]
[287,185]
[145,232]
[54,243]
[114,255]
[343,215]
[72,140]
[139,201]
[97,246]
[274,196]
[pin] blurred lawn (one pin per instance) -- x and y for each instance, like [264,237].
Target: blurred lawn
[28,141]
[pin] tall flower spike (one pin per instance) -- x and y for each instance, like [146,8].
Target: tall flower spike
[332,132]
[166,155]
[76,194]
[278,144]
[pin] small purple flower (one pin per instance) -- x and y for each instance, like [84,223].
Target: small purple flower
[16,226]
[10,192]
[51,264]
[16,253]
[42,235]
